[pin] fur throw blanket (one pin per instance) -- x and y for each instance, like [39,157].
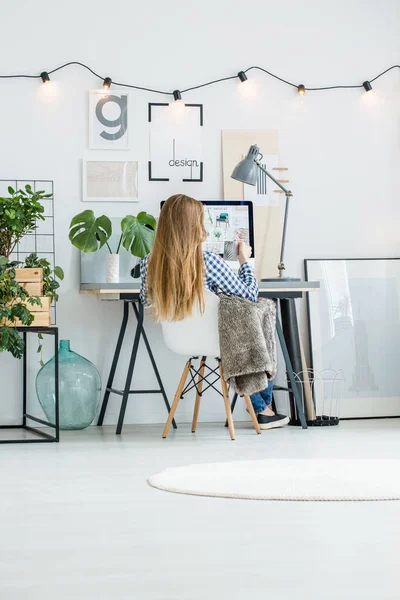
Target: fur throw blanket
[247,341]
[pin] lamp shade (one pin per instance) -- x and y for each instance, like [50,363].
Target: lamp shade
[246,170]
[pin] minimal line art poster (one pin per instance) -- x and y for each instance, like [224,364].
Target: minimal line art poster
[176,149]
[108,120]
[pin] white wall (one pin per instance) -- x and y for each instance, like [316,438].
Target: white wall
[342,147]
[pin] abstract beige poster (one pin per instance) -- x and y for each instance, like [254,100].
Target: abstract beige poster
[267,215]
[110,181]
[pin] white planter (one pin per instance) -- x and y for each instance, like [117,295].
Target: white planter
[112,268]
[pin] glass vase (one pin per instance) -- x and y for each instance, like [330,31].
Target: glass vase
[80,388]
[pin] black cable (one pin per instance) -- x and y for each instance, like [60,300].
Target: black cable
[196,87]
[272,75]
[19,76]
[335,87]
[76,63]
[137,87]
[383,72]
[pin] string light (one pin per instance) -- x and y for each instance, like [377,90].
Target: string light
[301,89]
[107,83]
[177,96]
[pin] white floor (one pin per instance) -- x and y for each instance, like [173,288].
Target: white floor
[78,521]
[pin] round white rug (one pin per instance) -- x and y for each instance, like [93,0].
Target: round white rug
[286,479]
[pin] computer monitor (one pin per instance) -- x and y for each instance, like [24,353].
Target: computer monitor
[226,223]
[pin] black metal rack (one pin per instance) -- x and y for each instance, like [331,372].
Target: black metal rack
[42,436]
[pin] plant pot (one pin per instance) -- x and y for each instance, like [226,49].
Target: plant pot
[112,268]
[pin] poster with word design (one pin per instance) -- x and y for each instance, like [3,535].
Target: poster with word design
[176,148]
[108,120]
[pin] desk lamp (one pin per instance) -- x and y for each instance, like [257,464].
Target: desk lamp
[246,172]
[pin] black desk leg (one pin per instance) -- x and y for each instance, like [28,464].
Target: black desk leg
[291,333]
[57,387]
[289,369]
[153,362]
[114,364]
[24,379]
[125,396]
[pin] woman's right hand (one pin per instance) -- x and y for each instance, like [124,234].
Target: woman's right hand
[244,252]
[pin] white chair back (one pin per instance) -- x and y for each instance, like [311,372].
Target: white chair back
[196,335]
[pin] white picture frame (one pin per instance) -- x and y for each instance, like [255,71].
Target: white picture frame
[108,179]
[108,120]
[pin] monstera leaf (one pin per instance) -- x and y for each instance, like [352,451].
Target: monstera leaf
[138,234]
[88,233]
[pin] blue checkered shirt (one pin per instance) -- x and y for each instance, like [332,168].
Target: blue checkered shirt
[219,278]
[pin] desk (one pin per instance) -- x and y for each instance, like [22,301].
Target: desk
[285,291]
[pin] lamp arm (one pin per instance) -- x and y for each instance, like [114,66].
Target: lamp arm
[288,193]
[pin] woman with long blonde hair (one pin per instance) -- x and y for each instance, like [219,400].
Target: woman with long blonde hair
[176,272]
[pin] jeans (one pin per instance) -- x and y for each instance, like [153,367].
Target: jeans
[261,400]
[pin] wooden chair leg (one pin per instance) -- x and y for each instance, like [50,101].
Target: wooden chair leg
[177,397]
[252,414]
[227,403]
[199,389]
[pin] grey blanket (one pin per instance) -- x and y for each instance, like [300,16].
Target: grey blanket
[247,341]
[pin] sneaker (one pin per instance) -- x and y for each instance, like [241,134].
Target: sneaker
[267,422]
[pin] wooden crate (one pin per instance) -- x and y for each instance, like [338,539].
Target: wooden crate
[29,275]
[42,315]
[33,288]
[32,281]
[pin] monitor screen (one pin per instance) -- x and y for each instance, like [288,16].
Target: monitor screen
[227,222]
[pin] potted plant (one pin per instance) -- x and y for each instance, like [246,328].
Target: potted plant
[13,309]
[89,233]
[20,214]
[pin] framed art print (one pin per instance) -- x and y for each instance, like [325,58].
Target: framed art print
[355,328]
[109,180]
[108,120]
[176,142]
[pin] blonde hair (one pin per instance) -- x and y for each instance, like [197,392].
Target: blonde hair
[175,274]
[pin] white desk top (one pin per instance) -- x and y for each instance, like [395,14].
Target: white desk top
[264,286]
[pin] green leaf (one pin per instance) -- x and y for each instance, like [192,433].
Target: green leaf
[136,237]
[3,261]
[88,233]
[10,190]
[59,273]
[144,217]
[32,300]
